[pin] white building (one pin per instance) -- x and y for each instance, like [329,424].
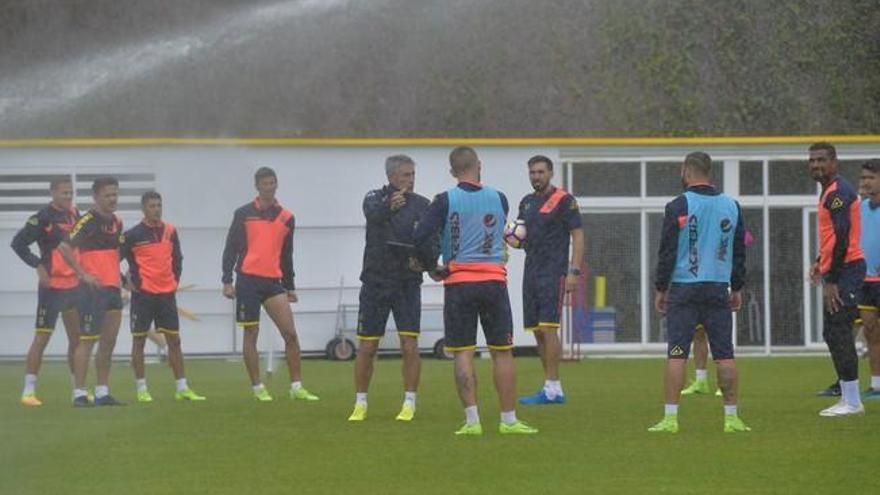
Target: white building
[621,185]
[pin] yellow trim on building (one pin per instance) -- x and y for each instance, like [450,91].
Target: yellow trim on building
[399,142]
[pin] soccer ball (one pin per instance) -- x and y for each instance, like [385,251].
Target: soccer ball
[515,233]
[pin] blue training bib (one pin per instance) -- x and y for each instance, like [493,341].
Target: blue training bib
[705,242]
[474,227]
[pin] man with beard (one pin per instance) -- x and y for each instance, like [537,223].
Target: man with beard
[552,219]
[840,268]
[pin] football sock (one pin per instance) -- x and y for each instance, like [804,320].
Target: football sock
[670,409]
[730,410]
[296,386]
[508,417]
[410,397]
[141,384]
[701,375]
[360,398]
[471,416]
[850,392]
[181,385]
[30,384]
[101,391]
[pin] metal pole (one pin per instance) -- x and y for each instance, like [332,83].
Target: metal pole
[766,244]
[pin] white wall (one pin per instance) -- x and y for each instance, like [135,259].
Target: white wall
[201,187]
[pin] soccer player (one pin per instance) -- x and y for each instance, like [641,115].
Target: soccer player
[259,246]
[471,218]
[57,288]
[869,298]
[155,262]
[388,283]
[840,268]
[552,217]
[97,236]
[700,276]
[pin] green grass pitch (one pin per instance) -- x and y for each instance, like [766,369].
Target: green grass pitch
[596,443]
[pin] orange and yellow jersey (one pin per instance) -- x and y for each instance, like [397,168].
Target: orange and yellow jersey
[48,227]
[840,228]
[98,239]
[154,257]
[260,243]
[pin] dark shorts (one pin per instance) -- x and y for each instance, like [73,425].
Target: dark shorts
[704,304]
[869,296]
[95,303]
[850,282]
[464,304]
[147,309]
[378,300]
[51,302]
[542,302]
[250,293]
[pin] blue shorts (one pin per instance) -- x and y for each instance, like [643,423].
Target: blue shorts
[51,302]
[542,301]
[147,309]
[95,303]
[689,305]
[378,300]
[869,297]
[466,303]
[250,293]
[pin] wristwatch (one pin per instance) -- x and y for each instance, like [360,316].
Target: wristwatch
[573,270]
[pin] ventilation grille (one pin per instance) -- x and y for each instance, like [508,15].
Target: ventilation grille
[22,193]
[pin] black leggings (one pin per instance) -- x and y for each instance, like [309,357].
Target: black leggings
[838,333]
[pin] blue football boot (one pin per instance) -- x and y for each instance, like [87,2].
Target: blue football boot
[540,398]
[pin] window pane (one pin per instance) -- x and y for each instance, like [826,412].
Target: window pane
[816,299]
[851,169]
[790,177]
[751,178]
[750,320]
[786,276]
[664,178]
[656,322]
[606,179]
[613,245]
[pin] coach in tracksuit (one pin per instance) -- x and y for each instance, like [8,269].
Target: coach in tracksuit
[388,285]
[699,279]
[841,270]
